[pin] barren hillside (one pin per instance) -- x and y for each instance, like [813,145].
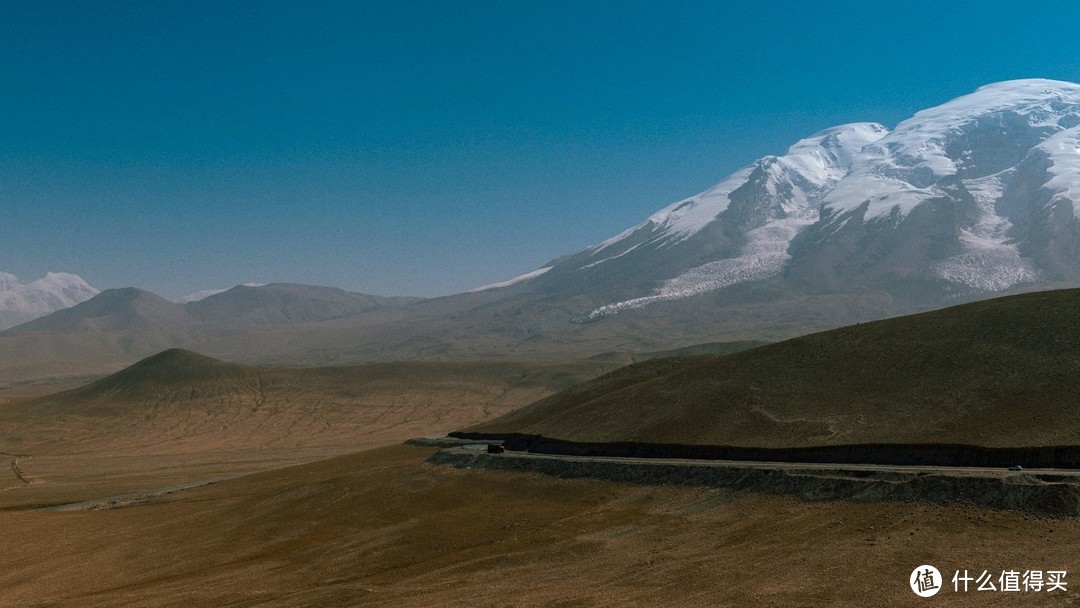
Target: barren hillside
[1002,372]
[179,416]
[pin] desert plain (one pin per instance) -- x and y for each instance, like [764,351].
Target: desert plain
[187,481]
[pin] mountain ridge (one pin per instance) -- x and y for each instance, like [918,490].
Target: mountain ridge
[21,302]
[972,199]
[967,199]
[131,309]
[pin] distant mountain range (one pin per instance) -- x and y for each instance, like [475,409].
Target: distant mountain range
[21,302]
[977,197]
[243,306]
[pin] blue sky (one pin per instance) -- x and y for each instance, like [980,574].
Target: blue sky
[425,148]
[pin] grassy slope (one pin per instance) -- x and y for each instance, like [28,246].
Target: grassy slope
[1003,372]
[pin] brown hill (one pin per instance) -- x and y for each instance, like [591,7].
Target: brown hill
[179,416]
[194,400]
[1003,372]
[173,369]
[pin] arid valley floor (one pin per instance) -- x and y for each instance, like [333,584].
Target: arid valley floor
[325,507]
[384,528]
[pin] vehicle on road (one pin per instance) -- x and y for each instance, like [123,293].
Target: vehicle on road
[1016,467]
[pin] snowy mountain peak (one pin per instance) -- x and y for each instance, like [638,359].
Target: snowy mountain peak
[1044,101]
[976,195]
[809,166]
[22,302]
[839,144]
[970,137]
[64,281]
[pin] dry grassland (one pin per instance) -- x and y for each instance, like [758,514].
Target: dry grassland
[179,417]
[382,528]
[332,519]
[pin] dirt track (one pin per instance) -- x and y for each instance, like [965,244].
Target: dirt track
[132,499]
[16,469]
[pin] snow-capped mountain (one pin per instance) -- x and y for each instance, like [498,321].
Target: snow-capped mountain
[975,196]
[21,302]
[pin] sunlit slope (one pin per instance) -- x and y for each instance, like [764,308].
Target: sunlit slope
[1003,372]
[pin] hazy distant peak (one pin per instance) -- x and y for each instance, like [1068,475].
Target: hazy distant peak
[130,309]
[21,302]
[121,309]
[206,293]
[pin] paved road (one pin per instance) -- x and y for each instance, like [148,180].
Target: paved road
[807,466]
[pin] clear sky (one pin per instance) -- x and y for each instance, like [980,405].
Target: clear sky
[426,148]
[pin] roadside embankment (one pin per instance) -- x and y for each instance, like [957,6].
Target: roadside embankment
[900,454]
[999,491]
